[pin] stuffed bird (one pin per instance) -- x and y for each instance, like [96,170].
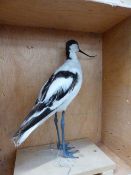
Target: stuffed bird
[55,96]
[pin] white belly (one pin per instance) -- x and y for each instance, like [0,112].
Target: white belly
[71,96]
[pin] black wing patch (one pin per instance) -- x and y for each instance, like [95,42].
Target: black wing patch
[59,94]
[27,125]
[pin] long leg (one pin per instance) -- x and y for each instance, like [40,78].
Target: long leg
[66,153]
[63,130]
[57,130]
[59,145]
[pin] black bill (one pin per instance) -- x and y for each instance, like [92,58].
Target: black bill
[87,54]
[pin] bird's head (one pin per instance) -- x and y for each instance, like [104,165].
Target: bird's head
[73,46]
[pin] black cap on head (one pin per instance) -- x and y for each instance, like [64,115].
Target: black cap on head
[68,44]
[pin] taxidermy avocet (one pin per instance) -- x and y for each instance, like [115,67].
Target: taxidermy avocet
[55,96]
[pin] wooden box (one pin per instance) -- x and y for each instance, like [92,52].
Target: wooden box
[32,45]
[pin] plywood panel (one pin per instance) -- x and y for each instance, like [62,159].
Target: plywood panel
[117,89]
[121,167]
[27,58]
[76,15]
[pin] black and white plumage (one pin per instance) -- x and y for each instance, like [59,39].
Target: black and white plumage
[55,96]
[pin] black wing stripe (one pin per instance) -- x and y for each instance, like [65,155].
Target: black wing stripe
[45,89]
[34,120]
[64,74]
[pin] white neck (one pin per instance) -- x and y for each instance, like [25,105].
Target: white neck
[73,56]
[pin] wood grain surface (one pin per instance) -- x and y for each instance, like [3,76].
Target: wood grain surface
[27,58]
[76,15]
[117,90]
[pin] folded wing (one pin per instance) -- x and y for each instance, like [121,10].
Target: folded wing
[52,95]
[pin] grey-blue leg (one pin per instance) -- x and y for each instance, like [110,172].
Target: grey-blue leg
[57,130]
[59,145]
[66,153]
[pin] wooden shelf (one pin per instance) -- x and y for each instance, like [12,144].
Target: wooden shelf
[76,15]
[39,159]
[121,167]
[43,160]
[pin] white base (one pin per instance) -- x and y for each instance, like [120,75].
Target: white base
[41,160]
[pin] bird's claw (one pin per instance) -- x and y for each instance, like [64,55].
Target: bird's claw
[67,147]
[68,154]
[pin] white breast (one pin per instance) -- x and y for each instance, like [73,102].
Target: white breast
[74,67]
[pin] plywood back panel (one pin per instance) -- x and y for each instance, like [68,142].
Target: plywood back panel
[117,89]
[27,58]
